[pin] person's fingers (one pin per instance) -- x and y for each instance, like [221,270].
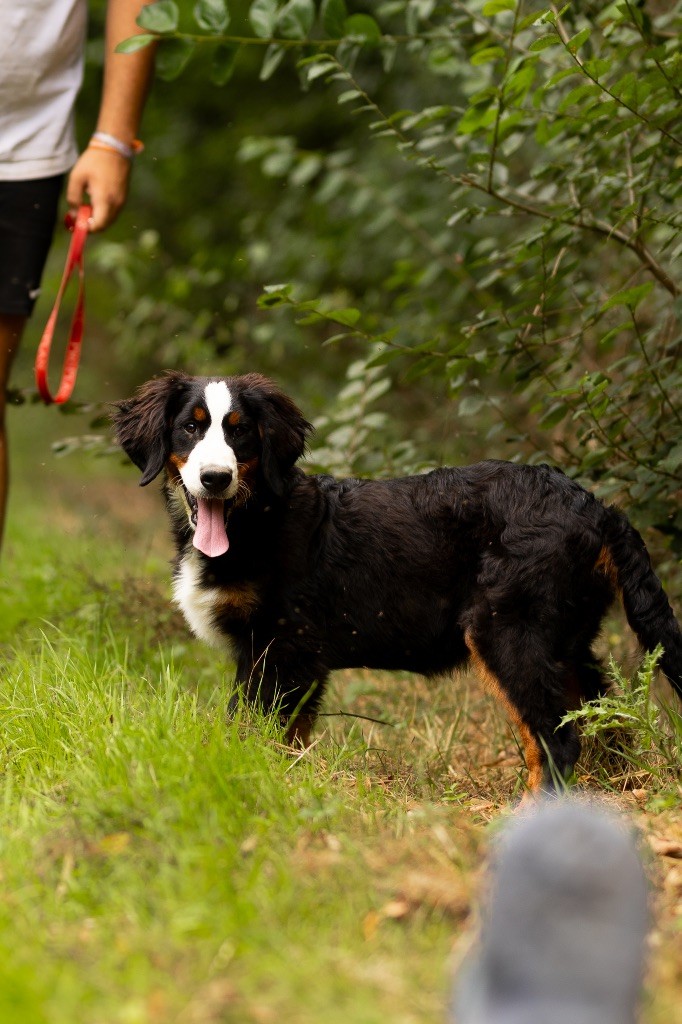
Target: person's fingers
[103,178]
[75,188]
[105,209]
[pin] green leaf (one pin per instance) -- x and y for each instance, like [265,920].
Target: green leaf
[577,41]
[274,55]
[317,68]
[626,87]
[496,6]
[224,60]
[310,318]
[348,51]
[281,289]
[519,82]
[673,460]
[172,57]
[333,14]
[362,26]
[212,15]
[544,42]
[470,405]
[554,415]
[586,90]
[476,118]
[274,295]
[596,67]
[296,19]
[530,19]
[630,297]
[389,52]
[161,17]
[619,124]
[263,17]
[348,317]
[134,43]
[486,55]
[306,170]
[560,75]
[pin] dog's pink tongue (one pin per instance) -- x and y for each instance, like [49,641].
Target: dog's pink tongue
[210,536]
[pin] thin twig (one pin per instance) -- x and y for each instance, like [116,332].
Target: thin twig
[351,714]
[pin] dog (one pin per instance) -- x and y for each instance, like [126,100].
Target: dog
[509,568]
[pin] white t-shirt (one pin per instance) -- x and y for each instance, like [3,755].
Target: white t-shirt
[41,70]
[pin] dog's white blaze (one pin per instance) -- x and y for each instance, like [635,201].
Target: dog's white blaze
[197,603]
[213,450]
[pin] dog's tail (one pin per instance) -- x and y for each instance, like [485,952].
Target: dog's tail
[625,559]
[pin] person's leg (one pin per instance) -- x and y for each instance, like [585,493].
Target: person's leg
[28,210]
[11,329]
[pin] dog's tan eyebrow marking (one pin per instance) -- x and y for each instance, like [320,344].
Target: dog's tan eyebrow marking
[233,419]
[199,413]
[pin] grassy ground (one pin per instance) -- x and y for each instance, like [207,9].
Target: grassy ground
[161,864]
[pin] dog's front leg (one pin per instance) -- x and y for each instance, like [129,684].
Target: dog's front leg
[270,686]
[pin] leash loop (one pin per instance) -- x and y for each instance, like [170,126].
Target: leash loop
[74,261]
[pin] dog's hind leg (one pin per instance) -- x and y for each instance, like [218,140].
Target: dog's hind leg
[516,667]
[590,678]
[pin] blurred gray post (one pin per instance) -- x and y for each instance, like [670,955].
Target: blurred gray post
[563,932]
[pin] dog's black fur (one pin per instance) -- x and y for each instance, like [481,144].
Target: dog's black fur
[506,566]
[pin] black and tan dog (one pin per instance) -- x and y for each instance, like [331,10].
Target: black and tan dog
[507,567]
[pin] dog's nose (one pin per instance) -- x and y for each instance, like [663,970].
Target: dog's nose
[214,479]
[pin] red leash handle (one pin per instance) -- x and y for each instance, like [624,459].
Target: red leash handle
[74,260]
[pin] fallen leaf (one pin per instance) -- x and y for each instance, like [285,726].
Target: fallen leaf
[110,845]
[666,847]
[440,891]
[673,880]
[370,924]
[395,909]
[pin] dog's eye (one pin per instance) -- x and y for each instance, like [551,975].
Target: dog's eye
[239,430]
[190,427]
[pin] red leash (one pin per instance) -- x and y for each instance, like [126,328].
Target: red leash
[74,260]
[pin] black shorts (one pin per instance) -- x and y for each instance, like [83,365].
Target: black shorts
[28,211]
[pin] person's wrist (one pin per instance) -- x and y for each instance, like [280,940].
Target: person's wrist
[112,144]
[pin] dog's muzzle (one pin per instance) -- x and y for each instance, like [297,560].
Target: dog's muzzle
[208,518]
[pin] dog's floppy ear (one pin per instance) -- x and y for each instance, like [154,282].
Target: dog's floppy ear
[142,422]
[282,427]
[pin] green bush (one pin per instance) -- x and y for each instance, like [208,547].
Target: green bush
[489,217]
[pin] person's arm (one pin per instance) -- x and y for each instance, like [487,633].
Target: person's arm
[104,173]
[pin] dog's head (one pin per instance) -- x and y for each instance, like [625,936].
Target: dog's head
[219,440]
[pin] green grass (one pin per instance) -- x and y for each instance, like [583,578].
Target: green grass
[161,862]
[153,853]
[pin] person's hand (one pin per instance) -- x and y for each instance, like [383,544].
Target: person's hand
[104,176]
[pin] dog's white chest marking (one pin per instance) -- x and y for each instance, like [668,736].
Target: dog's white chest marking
[197,604]
[213,450]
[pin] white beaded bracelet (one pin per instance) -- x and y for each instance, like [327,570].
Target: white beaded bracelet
[103,140]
